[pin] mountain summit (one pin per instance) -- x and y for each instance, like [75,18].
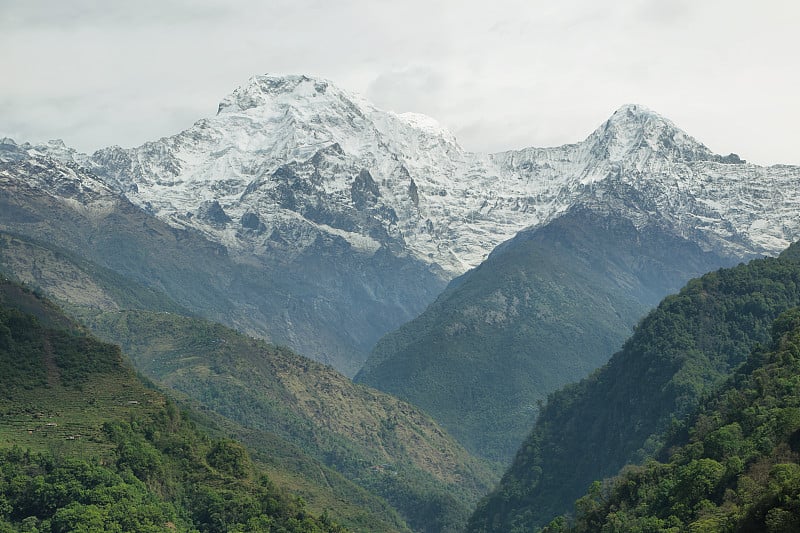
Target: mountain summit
[636,133]
[338,201]
[288,150]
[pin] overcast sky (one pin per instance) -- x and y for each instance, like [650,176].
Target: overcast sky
[500,74]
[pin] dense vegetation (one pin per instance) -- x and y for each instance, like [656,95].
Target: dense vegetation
[386,446]
[430,478]
[544,310]
[86,446]
[162,475]
[678,353]
[736,468]
[85,288]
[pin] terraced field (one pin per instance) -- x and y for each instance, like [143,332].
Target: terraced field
[71,420]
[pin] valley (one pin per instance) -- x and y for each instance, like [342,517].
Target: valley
[343,301]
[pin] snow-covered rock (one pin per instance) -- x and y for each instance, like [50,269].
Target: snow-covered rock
[52,169]
[292,151]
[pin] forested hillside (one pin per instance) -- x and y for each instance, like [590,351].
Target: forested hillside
[85,445]
[679,352]
[545,309]
[304,406]
[387,446]
[736,467]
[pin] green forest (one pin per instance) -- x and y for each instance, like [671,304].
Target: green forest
[681,352]
[734,468]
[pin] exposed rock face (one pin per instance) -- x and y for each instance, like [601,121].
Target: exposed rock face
[211,212]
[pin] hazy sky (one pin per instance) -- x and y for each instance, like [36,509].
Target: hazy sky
[500,74]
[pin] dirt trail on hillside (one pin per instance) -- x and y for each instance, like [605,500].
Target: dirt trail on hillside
[49,358]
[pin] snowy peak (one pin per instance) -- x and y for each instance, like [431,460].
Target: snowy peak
[54,148]
[286,159]
[326,136]
[265,89]
[634,132]
[317,103]
[52,169]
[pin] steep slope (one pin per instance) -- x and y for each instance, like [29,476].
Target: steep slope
[678,353]
[316,300]
[58,205]
[73,281]
[385,445]
[95,449]
[545,309]
[85,289]
[737,468]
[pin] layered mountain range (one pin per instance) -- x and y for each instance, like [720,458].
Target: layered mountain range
[355,217]
[471,285]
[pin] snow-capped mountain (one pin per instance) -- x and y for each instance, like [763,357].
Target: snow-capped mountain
[65,180]
[327,299]
[641,163]
[286,159]
[361,216]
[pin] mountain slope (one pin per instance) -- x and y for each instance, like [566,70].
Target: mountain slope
[737,468]
[545,309]
[385,445]
[318,300]
[322,487]
[678,353]
[73,281]
[251,380]
[95,449]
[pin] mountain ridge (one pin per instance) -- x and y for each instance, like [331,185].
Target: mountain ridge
[313,115]
[545,309]
[326,191]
